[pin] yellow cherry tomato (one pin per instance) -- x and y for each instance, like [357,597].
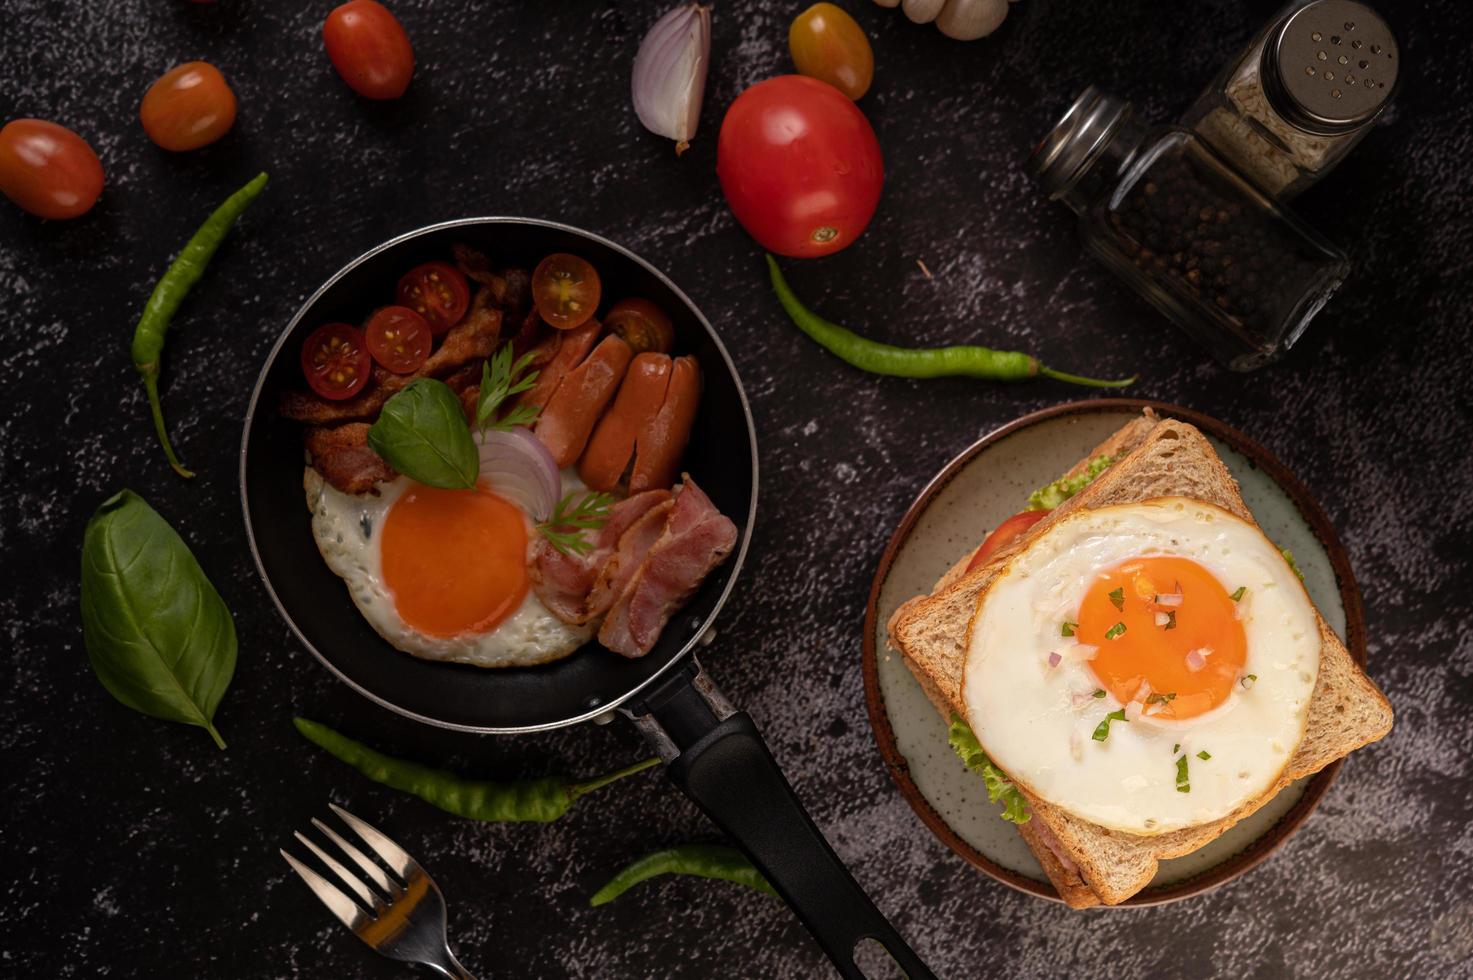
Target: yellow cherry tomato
[828,45]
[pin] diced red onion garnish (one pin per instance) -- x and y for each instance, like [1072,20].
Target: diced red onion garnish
[1133,711]
[1054,658]
[669,77]
[1163,618]
[1197,659]
[1142,692]
[1080,700]
[1080,651]
[1169,599]
[515,464]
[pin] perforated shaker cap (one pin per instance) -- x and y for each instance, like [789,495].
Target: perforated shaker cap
[1331,66]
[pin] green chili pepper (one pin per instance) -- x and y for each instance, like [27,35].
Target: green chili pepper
[703,860]
[169,292]
[906,362]
[523,801]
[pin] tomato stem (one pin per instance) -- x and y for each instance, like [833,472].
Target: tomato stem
[151,385]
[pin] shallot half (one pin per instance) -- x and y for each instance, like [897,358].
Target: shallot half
[669,78]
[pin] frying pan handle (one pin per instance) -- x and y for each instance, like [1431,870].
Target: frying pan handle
[716,756]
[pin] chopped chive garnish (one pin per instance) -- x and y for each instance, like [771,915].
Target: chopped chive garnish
[1102,730]
[1068,629]
[1238,594]
[1117,598]
[1182,784]
[1170,620]
[1161,698]
[1248,680]
[1100,693]
[1204,755]
[1175,747]
[1114,631]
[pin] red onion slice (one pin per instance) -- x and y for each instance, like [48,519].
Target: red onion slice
[669,78]
[515,464]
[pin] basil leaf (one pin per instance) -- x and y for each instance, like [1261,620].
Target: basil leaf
[423,434]
[157,633]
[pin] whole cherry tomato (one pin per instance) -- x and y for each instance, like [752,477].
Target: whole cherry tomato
[369,48]
[47,169]
[1005,534]
[642,325]
[189,107]
[398,338]
[799,165]
[436,291]
[566,290]
[828,45]
[335,361]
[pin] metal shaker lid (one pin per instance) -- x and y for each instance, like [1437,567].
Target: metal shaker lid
[1331,66]
[1076,140]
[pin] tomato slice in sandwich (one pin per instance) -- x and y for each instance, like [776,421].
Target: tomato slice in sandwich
[1007,532]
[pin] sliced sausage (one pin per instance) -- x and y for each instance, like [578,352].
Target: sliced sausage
[662,441]
[571,347]
[569,416]
[612,443]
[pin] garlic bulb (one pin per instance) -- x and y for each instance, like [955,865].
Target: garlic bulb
[963,20]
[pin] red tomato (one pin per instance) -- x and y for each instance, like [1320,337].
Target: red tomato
[799,165]
[398,338]
[369,48]
[642,325]
[335,361]
[1007,532]
[47,169]
[436,291]
[189,107]
[566,290]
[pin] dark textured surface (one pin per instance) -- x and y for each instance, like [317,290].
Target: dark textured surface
[134,848]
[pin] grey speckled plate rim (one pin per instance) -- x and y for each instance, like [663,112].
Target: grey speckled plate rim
[1309,509]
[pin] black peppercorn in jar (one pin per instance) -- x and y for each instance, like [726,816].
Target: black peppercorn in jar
[1190,233]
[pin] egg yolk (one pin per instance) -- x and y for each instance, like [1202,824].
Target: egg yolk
[454,560]
[1148,639]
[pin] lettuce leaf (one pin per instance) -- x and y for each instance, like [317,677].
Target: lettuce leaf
[999,787]
[1051,496]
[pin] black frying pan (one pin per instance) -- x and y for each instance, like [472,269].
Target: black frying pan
[714,753]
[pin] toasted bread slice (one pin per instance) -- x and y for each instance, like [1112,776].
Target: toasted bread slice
[1173,459]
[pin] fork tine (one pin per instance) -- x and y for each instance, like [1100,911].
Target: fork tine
[367,897]
[379,875]
[394,855]
[337,903]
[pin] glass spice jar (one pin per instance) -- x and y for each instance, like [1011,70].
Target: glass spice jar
[1305,90]
[1198,240]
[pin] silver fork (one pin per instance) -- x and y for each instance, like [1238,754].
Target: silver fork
[404,919]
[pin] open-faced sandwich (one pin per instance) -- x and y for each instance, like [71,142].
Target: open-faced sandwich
[497,476]
[1132,665]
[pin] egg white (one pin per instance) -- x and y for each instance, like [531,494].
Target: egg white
[1037,721]
[347,529]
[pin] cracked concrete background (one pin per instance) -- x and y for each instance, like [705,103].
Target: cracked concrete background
[135,849]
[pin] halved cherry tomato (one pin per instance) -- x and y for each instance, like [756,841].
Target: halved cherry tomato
[369,48]
[642,325]
[190,106]
[1007,532]
[47,169]
[566,290]
[335,361]
[828,45]
[398,338]
[799,165]
[436,291]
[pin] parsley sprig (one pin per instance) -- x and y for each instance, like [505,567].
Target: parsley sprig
[501,378]
[570,518]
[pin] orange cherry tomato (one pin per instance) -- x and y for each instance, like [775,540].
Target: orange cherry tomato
[436,291]
[398,338]
[189,107]
[1007,532]
[566,290]
[642,325]
[335,361]
[369,48]
[828,45]
[47,169]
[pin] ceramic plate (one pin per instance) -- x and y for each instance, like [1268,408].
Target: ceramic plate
[976,491]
